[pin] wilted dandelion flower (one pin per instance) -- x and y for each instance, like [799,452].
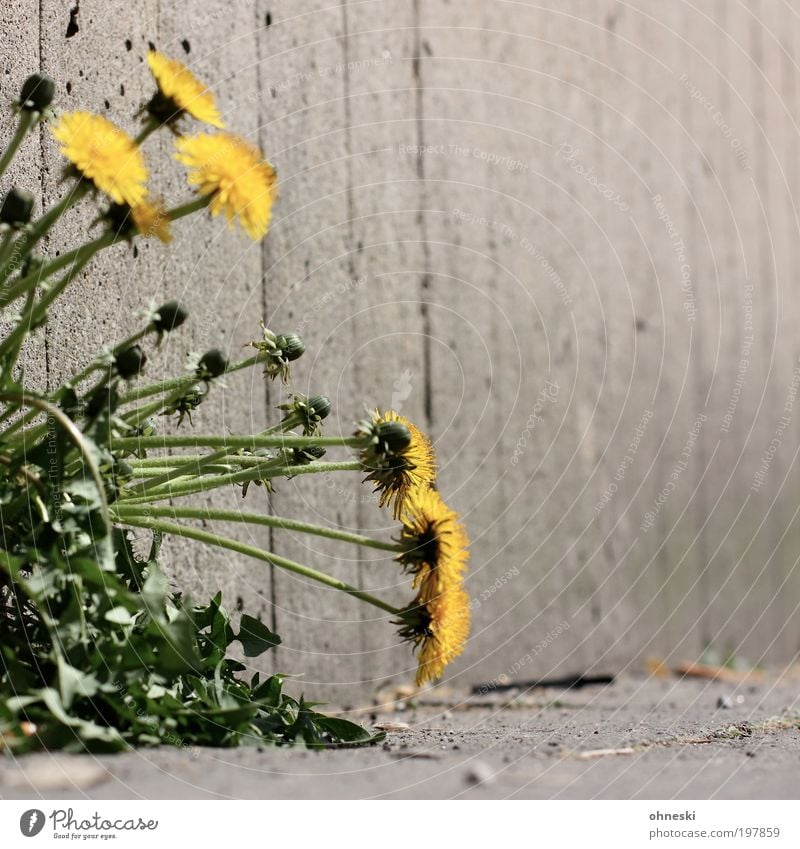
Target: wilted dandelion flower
[104,155]
[435,543]
[400,459]
[179,93]
[438,626]
[151,219]
[233,174]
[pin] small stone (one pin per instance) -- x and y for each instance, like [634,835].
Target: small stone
[724,703]
[479,773]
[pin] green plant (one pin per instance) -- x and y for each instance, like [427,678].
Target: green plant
[98,650]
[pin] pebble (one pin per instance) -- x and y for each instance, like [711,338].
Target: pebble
[724,702]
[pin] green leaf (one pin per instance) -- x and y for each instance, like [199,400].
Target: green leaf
[255,637]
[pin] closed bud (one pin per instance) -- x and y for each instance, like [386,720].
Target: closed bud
[170,316]
[320,405]
[291,345]
[17,208]
[393,437]
[212,364]
[37,93]
[130,362]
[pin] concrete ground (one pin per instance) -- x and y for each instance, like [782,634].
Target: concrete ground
[670,737]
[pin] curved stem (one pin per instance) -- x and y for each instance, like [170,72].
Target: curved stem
[259,554]
[184,382]
[33,279]
[74,435]
[194,205]
[36,310]
[28,240]
[211,514]
[27,119]
[278,440]
[262,472]
[149,128]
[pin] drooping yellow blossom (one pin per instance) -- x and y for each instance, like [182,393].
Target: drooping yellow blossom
[179,92]
[152,219]
[438,625]
[103,154]
[229,170]
[398,471]
[435,543]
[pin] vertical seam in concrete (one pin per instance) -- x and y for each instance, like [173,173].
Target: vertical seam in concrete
[425,286]
[264,307]
[40,131]
[350,207]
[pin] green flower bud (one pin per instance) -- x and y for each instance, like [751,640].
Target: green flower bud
[31,264]
[291,345]
[212,364]
[170,316]
[37,93]
[393,437]
[304,456]
[130,362]
[17,208]
[321,406]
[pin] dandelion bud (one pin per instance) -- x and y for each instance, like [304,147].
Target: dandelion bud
[393,437]
[17,208]
[37,93]
[212,364]
[291,345]
[130,362]
[320,405]
[170,316]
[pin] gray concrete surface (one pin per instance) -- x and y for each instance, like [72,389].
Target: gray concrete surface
[673,739]
[479,198]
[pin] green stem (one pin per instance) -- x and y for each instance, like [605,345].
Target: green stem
[185,381]
[33,279]
[74,435]
[149,128]
[27,119]
[5,242]
[262,472]
[194,205]
[259,554]
[29,239]
[278,440]
[122,512]
[37,310]
[101,362]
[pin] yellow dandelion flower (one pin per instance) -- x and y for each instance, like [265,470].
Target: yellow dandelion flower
[398,470]
[435,544]
[179,93]
[438,625]
[103,154]
[152,219]
[233,174]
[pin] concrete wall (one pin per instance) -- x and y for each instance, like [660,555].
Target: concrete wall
[585,281]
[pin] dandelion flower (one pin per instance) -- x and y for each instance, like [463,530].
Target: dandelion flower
[435,544]
[179,93]
[152,219]
[104,155]
[399,467]
[240,183]
[438,625]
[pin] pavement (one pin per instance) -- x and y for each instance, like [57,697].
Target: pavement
[645,737]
